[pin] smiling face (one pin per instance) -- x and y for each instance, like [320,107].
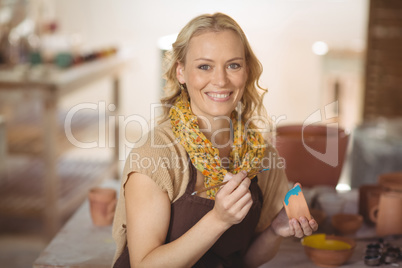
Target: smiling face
[215,73]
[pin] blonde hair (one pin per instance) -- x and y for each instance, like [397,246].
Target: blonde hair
[253,94]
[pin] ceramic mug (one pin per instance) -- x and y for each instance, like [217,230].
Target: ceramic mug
[102,203]
[369,196]
[388,214]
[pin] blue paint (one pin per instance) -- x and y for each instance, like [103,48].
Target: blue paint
[294,191]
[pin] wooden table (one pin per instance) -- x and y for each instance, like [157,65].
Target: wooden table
[51,84]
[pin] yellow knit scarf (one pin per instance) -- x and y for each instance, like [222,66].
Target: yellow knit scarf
[247,149]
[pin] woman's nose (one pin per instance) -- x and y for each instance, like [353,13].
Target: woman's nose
[220,77]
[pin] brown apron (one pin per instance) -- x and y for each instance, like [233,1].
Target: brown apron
[230,248]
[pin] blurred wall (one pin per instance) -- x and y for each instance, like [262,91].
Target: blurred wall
[280,31]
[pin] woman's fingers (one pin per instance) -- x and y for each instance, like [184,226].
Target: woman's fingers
[227,177]
[313,224]
[243,201]
[292,223]
[298,232]
[241,190]
[234,181]
[235,190]
[233,200]
[303,227]
[246,208]
[242,207]
[293,227]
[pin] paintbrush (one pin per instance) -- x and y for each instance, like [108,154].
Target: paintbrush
[250,175]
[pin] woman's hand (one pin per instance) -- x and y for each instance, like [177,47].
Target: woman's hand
[282,226]
[233,200]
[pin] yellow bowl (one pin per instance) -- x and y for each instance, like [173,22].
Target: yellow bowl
[328,250]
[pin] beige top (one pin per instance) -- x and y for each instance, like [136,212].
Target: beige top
[165,161]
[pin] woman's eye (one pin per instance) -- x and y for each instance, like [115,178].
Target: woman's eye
[204,67]
[234,66]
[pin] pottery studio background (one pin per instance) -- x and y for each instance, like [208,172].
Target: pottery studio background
[314,58]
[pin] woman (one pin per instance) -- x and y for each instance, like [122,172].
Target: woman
[208,130]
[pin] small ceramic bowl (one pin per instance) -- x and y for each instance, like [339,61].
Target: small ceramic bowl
[328,250]
[318,215]
[347,223]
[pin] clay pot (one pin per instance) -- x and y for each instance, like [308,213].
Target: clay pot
[347,223]
[330,258]
[369,197]
[313,155]
[388,214]
[102,203]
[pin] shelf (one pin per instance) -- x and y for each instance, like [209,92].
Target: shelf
[51,184]
[24,192]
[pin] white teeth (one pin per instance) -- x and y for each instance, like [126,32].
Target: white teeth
[219,96]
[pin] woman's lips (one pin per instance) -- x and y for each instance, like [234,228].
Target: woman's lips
[220,97]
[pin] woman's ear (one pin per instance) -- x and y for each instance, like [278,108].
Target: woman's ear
[180,73]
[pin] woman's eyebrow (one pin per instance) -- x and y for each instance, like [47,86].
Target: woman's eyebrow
[236,58]
[206,59]
[203,59]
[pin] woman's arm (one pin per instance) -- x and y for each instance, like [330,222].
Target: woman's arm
[266,244]
[148,218]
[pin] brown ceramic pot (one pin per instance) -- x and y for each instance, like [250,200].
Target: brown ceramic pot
[314,155]
[102,203]
[388,214]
